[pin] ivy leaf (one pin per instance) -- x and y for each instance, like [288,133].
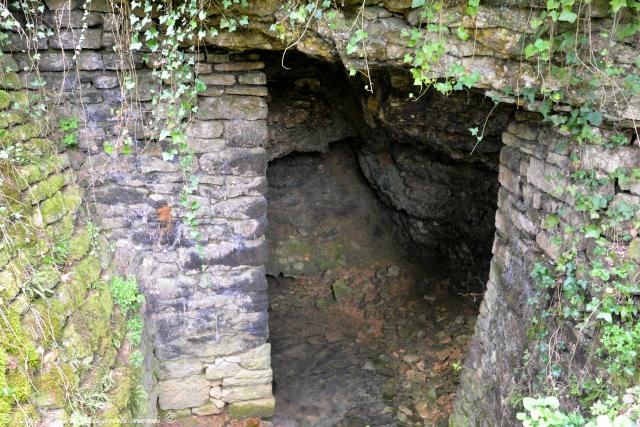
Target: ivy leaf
[605,316]
[616,5]
[591,232]
[108,148]
[474,131]
[417,3]
[595,118]
[568,16]
[462,33]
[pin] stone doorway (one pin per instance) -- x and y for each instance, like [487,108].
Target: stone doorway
[379,240]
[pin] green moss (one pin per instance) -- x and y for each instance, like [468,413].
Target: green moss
[47,277]
[254,408]
[46,188]
[15,342]
[633,252]
[10,118]
[79,245]
[87,271]
[25,132]
[25,415]
[53,314]
[5,99]
[21,98]
[8,285]
[121,393]
[51,387]
[89,330]
[60,204]
[38,171]
[61,230]
[10,81]
[53,208]
[72,198]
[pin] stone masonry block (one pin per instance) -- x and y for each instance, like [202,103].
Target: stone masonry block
[71,38]
[594,156]
[253,78]
[184,393]
[232,107]
[239,394]
[239,66]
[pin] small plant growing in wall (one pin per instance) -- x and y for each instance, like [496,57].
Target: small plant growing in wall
[128,298]
[69,128]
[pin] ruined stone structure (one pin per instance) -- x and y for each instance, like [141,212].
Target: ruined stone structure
[206,332]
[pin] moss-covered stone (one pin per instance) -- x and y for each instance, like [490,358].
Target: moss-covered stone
[14,341]
[88,330]
[52,386]
[52,315]
[8,285]
[47,277]
[87,271]
[46,188]
[38,171]
[79,245]
[633,252]
[21,98]
[25,132]
[61,203]
[5,99]
[61,230]
[10,81]
[11,118]
[120,396]
[262,408]
[53,208]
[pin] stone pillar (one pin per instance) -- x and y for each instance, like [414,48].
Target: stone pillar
[208,310]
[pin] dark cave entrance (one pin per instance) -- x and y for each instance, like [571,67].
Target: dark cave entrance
[380,233]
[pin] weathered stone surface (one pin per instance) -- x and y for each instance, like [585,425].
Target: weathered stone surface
[205,129]
[239,66]
[255,78]
[187,392]
[61,4]
[235,161]
[218,79]
[64,18]
[599,157]
[232,107]
[73,38]
[248,378]
[239,394]
[211,408]
[253,408]
[247,90]
[105,81]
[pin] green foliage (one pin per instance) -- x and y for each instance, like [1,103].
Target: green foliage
[544,412]
[134,330]
[125,294]
[136,359]
[69,126]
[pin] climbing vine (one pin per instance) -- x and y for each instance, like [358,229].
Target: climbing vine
[592,286]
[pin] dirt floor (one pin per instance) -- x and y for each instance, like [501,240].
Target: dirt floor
[362,333]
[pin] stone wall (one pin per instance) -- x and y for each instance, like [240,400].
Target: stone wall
[535,164]
[206,309]
[61,337]
[418,155]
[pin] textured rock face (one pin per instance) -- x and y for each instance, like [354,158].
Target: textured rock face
[207,309]
[208,329]
[418,155]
